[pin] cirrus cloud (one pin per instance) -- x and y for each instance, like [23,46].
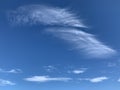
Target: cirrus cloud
[66,23]
[40,14]
[82,41]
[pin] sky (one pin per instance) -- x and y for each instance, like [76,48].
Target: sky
[59,45]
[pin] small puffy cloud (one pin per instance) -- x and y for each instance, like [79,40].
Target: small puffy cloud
[46,79]
[78,71]
[5,82]
[96,79]
[11,71]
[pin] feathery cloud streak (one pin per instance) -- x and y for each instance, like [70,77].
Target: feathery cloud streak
[83,41]
[39,14]
[46,79]
[67,22]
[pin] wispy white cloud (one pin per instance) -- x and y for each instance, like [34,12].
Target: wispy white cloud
[83,41]
[39,14]
[53,16]
[5,82]
[50,68]
[111,64]
[98,79]
[11,71]
[95,80]
[46,79]
[119,80]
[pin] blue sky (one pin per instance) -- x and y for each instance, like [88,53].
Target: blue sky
[59,45]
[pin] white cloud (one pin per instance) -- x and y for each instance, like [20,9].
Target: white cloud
[11,71]
[46,79]
[50,68]
[53,16]
[5,82]
[96,79]
[83,41]
[39,14]
[78,71]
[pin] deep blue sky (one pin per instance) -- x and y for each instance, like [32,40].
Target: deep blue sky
[32,51]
